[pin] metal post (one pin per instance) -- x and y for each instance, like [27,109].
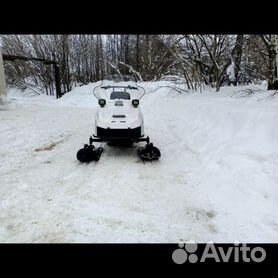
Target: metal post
[57,80]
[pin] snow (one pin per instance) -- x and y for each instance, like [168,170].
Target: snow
[216,180]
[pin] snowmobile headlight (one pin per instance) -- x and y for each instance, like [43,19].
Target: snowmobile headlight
[101,102]
[135,102]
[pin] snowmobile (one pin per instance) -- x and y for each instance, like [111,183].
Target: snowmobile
[119,119]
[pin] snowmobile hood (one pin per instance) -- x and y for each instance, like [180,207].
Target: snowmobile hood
[119,114]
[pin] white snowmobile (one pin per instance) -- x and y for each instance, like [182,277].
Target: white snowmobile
[119,119]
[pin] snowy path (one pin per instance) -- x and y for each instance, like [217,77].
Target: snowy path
[217,178]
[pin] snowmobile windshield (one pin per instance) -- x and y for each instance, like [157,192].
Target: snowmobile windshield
[119,95]
[119,87]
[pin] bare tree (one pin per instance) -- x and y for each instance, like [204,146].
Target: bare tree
[201,60]
[236,56]
[3,91]
[270,44]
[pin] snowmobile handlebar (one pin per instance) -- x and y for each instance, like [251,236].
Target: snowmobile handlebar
[111,87]
[129,87]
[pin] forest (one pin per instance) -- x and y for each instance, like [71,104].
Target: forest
[197,60]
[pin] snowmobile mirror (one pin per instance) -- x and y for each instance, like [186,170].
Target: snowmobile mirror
[135,102]
[101,102]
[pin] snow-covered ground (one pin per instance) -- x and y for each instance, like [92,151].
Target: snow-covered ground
[216,181]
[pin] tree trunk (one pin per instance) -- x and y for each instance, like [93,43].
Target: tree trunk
[272,74]
[65,63]
[3,91]
[137,53]
[127,49]
[236,56]
[218,80]
[97,58]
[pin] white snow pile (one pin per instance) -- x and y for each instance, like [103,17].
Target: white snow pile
[216,180]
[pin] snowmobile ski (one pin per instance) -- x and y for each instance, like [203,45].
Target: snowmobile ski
[149,152]
[89,153]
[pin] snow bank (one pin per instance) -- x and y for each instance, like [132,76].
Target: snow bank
[216,180]
[80,97]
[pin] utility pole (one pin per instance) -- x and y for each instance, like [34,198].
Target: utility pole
[3,89]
